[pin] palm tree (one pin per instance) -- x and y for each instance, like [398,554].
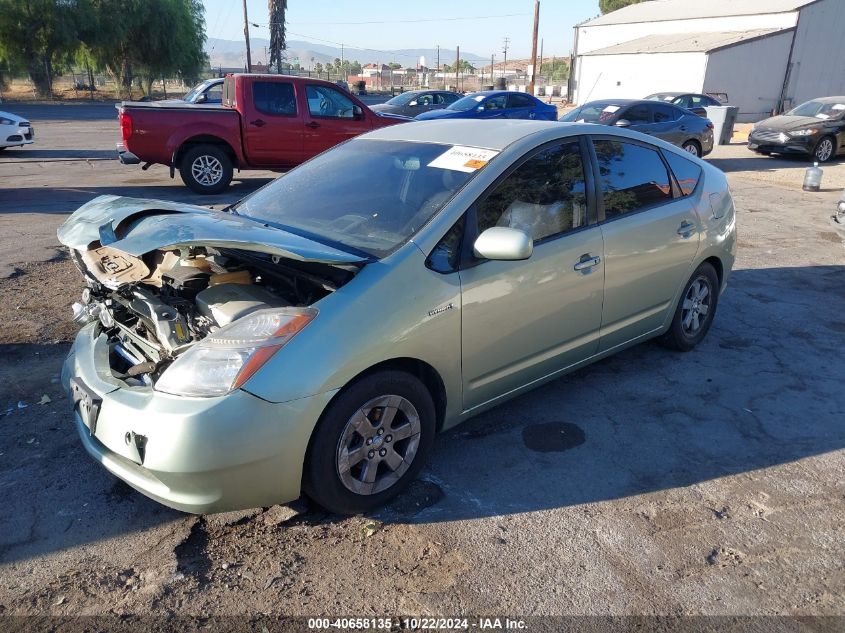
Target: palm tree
[277,10]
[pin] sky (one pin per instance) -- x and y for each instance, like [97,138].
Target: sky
[405,24]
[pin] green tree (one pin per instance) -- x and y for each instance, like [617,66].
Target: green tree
[147,40]
[606,6]
[318,68]
[556,70]
[277,9]
[394,66]
[39,36]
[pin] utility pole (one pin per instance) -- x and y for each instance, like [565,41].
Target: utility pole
[246,37]
[493,69]
[458,70]
[505,62]
[438,58]
[534,47]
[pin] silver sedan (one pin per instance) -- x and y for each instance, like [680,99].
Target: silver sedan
[319,333]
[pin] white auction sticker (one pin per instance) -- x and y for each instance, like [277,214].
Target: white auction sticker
[839,106]
[611,108]
[465,159]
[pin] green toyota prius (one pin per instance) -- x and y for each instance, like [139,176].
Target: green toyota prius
[314,337]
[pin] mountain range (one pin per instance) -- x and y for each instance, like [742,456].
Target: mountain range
[230,54]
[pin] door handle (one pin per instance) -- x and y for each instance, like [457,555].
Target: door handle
[313,125]
[686,229]
[258,123]
[587,262]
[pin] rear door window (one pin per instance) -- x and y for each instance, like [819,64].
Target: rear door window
[665,113]
[274,97]
[687,173]
[637,115]
[520,101]
[632,177]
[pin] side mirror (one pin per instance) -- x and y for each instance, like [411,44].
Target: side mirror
[357,113]
[623,123]
[503,243]
[202,98]
[481,108]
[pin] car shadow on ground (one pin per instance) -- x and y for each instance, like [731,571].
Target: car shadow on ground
[18,155]
[763,389]
[64,200]
[759,163]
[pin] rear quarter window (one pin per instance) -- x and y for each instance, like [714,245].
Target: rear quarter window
[687,173]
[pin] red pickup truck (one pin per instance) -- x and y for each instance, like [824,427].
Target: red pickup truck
[264,122]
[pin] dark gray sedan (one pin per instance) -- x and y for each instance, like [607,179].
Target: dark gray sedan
[666,121]
[416,102]
[815,129]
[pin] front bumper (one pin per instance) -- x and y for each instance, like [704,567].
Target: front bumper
[197,455]
[125,156]
[784,145]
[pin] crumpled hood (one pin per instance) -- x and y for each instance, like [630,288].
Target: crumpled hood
[785,123]
[138,226]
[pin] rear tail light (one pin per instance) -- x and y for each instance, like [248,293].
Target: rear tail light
[125,125]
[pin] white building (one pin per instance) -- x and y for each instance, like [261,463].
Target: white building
[764,54]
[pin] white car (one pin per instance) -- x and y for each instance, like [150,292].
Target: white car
[15,131]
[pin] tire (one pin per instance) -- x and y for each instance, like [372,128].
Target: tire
[693,147]
[688,329]
[825,149]
[206,169]
[353,425]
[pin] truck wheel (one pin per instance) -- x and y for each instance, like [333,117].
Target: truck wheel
[206,169]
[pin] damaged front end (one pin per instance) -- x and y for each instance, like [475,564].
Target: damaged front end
[193,302]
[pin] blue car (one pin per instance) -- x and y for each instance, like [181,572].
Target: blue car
[495,104]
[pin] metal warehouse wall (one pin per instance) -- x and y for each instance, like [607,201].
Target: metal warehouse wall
[592,38]
[635,76]
[751,74]
[818,58]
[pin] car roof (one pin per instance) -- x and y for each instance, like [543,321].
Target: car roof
[620,102]
[490,134]
[829,99]
[493,93]
[671,94]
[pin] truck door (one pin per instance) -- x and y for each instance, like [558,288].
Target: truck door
[330,118]
[272,124]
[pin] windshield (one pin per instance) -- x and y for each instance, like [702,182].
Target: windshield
[189,97]
[467,103]
[819,110]
[366,196]
[404,99]
[592,113]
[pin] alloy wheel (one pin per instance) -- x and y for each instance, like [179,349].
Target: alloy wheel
[378,444]
[692,148]
[207,170]
[696,306]
[824,150]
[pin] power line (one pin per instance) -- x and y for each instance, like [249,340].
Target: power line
[415,21]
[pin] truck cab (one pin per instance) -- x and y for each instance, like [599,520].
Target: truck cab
[264,122]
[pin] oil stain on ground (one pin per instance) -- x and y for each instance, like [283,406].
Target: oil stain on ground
[552,437]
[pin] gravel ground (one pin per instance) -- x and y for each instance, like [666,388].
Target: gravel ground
[649,483]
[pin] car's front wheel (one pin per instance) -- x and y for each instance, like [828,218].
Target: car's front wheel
[825,149]
[370,443]
[206,169]
[695,311]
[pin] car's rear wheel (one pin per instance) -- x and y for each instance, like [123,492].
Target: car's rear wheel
[692,147]
[695,311]
[825,149]
[370,443]
[206,169]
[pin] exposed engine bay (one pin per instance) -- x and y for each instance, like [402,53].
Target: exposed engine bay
[155,307]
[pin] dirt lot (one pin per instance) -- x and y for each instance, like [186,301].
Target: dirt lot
[650,483]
